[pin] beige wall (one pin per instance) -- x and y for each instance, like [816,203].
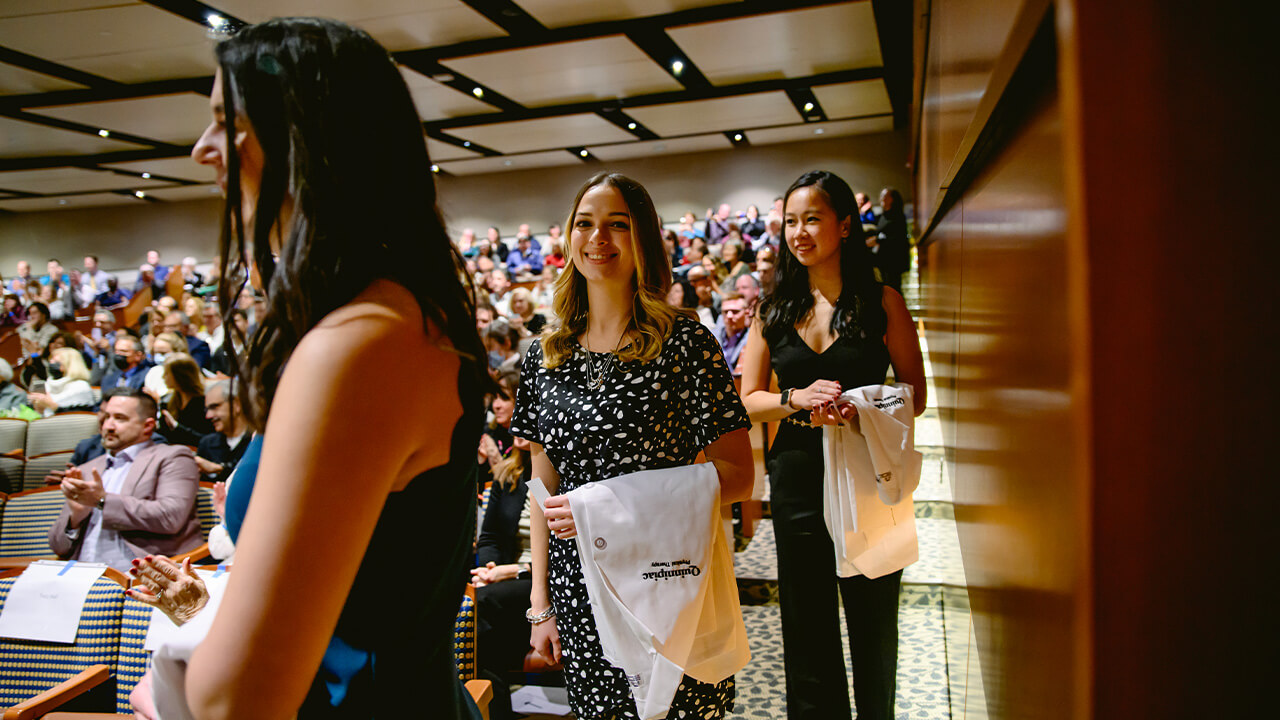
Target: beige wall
[121,236]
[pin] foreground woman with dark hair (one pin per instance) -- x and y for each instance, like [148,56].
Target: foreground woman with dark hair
[329,191]
[828,326]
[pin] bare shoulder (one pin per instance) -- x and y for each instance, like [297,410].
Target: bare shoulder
[383,327]
[891,300]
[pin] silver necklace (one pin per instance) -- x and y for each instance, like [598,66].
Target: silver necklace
[596,376]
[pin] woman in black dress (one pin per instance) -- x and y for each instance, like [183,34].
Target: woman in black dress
[627,383]
[827,327]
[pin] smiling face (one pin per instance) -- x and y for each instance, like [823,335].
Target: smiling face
[601,243]
[504,405]
[212,150]
[814,233]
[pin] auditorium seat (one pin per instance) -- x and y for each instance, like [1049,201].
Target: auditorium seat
[38,467]
[39,676]
[60,433]
[24,526]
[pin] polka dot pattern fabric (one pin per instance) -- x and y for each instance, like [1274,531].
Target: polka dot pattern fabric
[645,416]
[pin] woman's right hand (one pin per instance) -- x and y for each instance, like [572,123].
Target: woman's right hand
[176,590]
[816,396]
[545,639]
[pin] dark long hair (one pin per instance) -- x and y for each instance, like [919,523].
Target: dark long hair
[859,312]
[342,141]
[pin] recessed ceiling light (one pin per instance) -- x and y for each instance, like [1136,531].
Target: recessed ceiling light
[660,147]
[139,194]
[442,77]
[818,131]
[62,202]
[146,176]
[104,133]
[583,153]
[677,67]
[631,126]
[506,163]
[215,21]
[808,107]
[213,190]
[466,143]
[435,168]
[478,91]
[737,137]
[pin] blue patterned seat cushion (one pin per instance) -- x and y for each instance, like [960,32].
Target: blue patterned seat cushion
[24,530]
[28,668]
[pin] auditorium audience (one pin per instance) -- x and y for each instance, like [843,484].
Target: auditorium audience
[12,314]
[137,499]
[219,451]
[38,330]
[503,344]
[718,223]
[67,386]
[164,346]
[12,397]
[523,315]
[147,281]
[93,276]
[708,305]
[731,328]
[23,278]
[731,254]
[113,295]
[525,259]
[182,409]
[178,322]
[161,272]
[749,288]
[130,364]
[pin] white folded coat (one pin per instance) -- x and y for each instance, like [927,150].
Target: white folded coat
[870,475]
[660,579]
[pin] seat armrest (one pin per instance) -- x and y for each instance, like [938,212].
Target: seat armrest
[482,692]
[60,694]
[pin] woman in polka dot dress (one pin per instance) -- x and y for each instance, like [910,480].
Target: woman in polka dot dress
[626,383]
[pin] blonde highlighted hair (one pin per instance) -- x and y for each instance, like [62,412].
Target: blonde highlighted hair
[652,318]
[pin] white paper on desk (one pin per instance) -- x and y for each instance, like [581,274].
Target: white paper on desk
[46,600]
[533,699]
[162,628]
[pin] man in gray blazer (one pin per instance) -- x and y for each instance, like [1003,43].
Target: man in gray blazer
[137,499]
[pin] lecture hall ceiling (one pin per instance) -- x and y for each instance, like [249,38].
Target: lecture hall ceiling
[101,100]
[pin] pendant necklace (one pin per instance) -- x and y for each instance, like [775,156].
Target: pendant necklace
[596,376]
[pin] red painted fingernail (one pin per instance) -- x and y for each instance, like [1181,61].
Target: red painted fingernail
[148,558]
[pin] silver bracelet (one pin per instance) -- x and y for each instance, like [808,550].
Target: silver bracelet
[541,617]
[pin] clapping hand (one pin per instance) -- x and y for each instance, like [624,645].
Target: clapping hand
[176,590]
[82,493]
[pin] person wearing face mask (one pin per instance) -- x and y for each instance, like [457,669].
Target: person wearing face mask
[130,364]
[165,345]
[67,387]
[503,343]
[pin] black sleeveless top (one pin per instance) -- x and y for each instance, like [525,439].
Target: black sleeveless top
[851,361]
[392,651]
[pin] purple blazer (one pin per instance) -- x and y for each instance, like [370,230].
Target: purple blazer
[155,510]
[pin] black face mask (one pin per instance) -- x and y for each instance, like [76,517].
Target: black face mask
[55,370]
[121,362]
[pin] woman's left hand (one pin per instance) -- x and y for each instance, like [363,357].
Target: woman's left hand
[176,590]
[168,418]
[833,413]
[560,517]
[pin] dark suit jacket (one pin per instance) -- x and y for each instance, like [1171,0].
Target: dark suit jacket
[214,448]
[155,511]
[199,351]
[112,378]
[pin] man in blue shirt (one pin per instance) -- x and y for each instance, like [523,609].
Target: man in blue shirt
[525,259]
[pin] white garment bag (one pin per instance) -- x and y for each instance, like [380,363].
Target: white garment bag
[872,467]
[660,579]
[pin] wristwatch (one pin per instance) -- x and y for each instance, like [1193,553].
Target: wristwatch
[786,398]
[102,502]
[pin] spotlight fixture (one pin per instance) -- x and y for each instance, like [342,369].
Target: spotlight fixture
[478,91]
[737,137]
[818,131]
[62,202]
[139,194]
[677,67]
[466,143]
[808,106]
[104,133]
[506,163]
[146,176]
[215,21]
[583,153]
[435,168]
[631,126]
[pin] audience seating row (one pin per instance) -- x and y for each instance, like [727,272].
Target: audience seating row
[29,451]
[108,659]
[25,518]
